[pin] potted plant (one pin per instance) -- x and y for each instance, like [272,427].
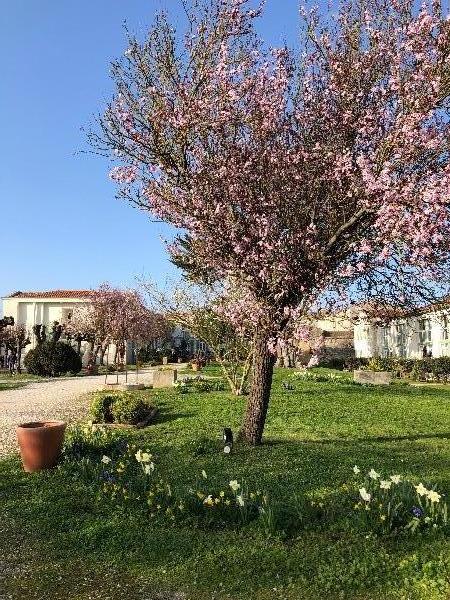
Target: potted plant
[40,444]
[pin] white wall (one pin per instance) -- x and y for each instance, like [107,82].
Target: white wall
[403,337]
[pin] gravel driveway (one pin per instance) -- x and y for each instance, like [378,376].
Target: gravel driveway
[56,399]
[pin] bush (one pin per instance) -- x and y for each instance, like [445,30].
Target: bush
[91,442]
[101,408]
[433,369]
[130,409]
[52,359]
[120,407]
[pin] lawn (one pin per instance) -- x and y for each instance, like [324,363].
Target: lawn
[57,542]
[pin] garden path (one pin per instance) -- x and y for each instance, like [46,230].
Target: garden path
[62,398]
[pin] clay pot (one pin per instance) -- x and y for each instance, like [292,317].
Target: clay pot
[40,444]
[195,366]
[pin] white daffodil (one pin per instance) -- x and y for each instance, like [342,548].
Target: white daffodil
[395,479]
[146,457]
[385,484]
[234,485]
[421,489]
[240,500]
[364,494]
[433,496]
[149,468]
[356,470]
[373,474]
[106,460]
[204,475]
[138,456]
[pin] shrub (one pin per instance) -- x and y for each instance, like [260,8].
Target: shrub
[100,408]
[52,359]
[131,409]
[91,442]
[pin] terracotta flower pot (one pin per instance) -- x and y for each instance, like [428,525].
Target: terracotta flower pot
[40,444]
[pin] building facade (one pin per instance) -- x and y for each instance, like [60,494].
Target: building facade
[44,308]
[408,336]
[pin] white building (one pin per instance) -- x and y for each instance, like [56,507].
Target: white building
[403,336]
[44,308]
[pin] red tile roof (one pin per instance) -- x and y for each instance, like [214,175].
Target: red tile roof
[54,294]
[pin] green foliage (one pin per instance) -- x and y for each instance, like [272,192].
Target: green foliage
[320,377]
[100,409]
[120,407]
[395,504]
[314,435]
[52,359]
[131,409]
[189,385]
[437,369]
[91,442]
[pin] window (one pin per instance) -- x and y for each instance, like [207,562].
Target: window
[385,346]
[425,345]
[445,341]
[445,332]
[400,339]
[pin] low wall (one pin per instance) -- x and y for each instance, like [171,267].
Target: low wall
[373,377]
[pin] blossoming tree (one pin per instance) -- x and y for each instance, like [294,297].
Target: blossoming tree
[115,316]
[308,176]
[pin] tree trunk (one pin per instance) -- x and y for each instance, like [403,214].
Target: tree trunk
[258,402]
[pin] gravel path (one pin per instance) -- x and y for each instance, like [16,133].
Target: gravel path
[57,399]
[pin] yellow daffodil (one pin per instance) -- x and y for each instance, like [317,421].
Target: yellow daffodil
[421,489]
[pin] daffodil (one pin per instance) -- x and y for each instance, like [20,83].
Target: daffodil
[385,484]
[208,501]
[204,475]
[433,496]
[373,474]
[222,494]
[356,470]
[421,489]
[364,494]
[395,479]
[382,517]
[240,500]
[234,485]
[106,460]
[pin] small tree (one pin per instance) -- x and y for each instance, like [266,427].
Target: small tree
[15,339]
[308,176]
[203,311]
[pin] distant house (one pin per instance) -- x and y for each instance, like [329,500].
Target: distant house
[44,308]
[426,332]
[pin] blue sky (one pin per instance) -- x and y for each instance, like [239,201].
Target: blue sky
[61,224]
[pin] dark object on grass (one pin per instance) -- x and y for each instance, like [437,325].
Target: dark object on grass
[227,440]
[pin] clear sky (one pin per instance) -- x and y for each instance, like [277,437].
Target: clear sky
[61,224]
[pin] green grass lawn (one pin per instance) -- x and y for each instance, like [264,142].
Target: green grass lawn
[57,542]
[12,385]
